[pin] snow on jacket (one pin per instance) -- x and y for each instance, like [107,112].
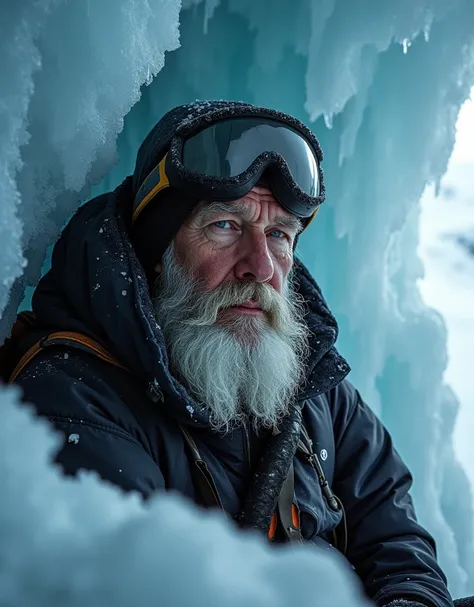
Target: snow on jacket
[97,287]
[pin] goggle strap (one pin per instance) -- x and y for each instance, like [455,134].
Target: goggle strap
[156,181]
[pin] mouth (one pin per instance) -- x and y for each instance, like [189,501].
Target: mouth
[248,307]
[251,304]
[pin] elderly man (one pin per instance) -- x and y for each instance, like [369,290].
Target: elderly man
[179,345]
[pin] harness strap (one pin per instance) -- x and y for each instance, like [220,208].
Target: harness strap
[288,510]
[25,360]
[204,479]
[64,338]
[332,500]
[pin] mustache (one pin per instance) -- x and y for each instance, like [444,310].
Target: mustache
[179,297]
[233,294]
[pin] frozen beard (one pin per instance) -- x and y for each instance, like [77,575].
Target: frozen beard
[235,365]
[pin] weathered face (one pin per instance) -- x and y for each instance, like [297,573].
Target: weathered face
[250,239]
[233,324]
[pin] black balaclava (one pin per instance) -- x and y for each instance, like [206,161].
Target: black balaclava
[157,226]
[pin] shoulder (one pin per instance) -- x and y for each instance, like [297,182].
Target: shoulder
[341,408]
[340,402]
[89,402]
[65,383]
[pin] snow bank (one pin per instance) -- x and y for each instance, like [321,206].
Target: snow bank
[75,543]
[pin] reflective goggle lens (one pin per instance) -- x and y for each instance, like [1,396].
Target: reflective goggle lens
[227,148]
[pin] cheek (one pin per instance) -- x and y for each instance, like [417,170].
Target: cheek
[213,269]
[283,265]
[198,255]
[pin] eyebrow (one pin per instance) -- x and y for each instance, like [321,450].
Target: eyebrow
[209,210]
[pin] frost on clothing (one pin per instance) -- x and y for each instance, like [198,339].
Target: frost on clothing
[136,443]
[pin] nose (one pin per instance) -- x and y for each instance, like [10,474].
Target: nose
[255,263]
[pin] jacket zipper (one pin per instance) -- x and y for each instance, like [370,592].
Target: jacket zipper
[154,392]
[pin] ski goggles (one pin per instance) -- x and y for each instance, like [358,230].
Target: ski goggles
[225,159]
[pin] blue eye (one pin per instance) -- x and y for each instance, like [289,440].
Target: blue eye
[222,221]
[279,233]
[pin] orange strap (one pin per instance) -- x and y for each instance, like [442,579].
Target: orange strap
[24,360]
[273,526]
[295,517]
[64,336]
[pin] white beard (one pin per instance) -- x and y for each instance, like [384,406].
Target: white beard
[237,366]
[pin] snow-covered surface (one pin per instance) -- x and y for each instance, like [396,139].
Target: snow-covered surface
[82,543]
[389,78]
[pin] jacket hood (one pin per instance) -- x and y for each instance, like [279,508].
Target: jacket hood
[97,286]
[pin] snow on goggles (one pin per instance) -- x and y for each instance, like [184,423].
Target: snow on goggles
[224,160]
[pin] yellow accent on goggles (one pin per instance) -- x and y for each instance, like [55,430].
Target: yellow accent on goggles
[157,180]
[315,212]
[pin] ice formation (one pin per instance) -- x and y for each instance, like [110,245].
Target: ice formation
[383,83]
[70,72]
[447,250]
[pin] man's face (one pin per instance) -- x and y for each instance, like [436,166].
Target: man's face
[247,240]
[231,319]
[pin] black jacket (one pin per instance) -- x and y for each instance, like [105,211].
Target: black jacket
[96,286]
